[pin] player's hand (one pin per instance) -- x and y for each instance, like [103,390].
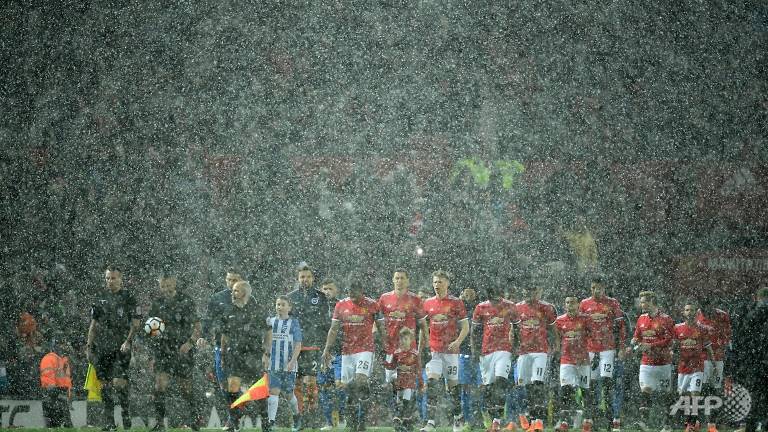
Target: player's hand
[125,347]
[623,352]
[454,346]
[291,366]
[201,343]
[326,359]
[265,360]
[185,347]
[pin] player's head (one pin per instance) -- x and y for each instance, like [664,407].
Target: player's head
[233,276]
[689,310]
[762,294]
[330,289]
[648,302]
[305,277]
[494,293]
[571,305]
[241,290]
[598,285]
[707,305]
[405,336]
[440,282]
[356,290]
[533,292]
[536,281]
[168,285]
[468,295]
[400,281]
[113,278]
[283,305]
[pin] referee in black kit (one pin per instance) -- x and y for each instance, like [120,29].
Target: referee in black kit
[114,320]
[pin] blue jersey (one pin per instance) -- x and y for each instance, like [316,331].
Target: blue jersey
[285,334]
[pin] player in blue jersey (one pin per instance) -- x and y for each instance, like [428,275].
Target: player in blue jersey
[283,343]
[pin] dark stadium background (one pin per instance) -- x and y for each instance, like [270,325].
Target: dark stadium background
[198,134]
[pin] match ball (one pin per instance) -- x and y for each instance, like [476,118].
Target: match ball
[154,326]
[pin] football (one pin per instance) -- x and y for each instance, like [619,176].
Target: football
[154,326]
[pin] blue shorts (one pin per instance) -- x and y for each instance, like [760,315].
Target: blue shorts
[331,375]
[469,373]
[285,381]
[221,377]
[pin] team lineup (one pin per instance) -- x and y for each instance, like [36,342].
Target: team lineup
[312,343]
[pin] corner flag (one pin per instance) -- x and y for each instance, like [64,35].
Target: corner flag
[259,390]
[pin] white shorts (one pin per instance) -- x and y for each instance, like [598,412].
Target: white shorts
[494,365]
[531,367]
[656,377]
[406,394]
[691,382]
[715,381]
[390,375]
[575,376]
[353,364]
[443,364]
[605,368]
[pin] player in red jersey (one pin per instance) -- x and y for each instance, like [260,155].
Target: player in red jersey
[536,321]
[573,331]
[606,341]
[718,325]
[691,341]
[491,340]
[406,362]
[401,308]
[448,327]
[653,337]
[355,315]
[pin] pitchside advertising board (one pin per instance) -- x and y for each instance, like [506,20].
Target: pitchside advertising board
[29,414]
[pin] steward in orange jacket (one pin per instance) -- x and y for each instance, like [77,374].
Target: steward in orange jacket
[56,381]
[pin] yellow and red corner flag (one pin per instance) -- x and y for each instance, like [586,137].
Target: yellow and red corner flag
[92,384]
[259,390]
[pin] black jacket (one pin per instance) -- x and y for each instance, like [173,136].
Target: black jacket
[313,310]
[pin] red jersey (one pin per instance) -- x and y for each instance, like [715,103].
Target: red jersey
[444,315]
[399,312]
[357,324]
[657,331]
[691,341]
[574,333]
[496,320]
[719,329]
[606,316]
[533,319]
[408,366]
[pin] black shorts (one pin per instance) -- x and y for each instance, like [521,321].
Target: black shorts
[245,365]
[112,364]
[309,363]
[168,359]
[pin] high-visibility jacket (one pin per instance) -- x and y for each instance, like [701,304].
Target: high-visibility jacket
[55,372]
